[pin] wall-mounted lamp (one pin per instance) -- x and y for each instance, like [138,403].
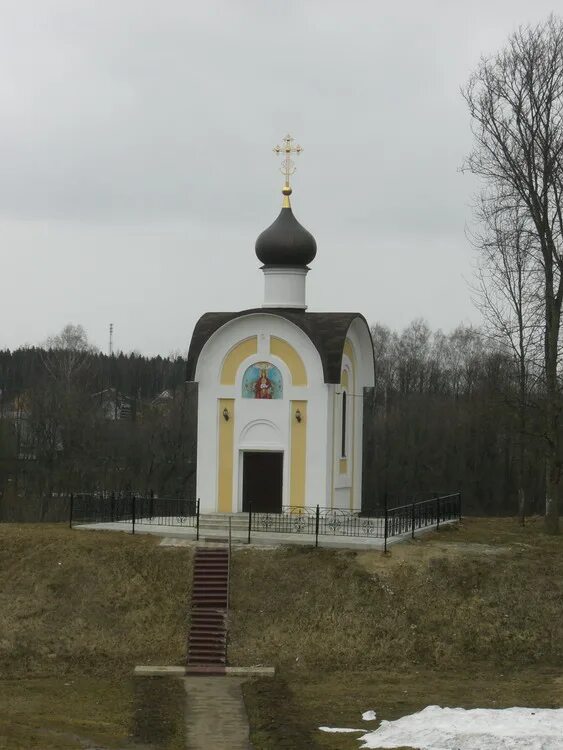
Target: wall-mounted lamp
[226,415]
[298,415]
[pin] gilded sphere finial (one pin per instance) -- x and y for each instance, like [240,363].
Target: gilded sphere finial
[286,190]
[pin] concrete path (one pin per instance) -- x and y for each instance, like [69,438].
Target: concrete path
[215,714]
[259,538]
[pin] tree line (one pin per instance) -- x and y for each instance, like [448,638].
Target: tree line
[443,420]
[72,418]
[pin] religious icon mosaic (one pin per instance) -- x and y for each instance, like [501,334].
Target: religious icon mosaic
[262,380]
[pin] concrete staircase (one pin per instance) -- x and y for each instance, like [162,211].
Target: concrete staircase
[218,523]
[207,640]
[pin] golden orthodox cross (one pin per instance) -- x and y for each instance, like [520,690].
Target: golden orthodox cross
[287,166]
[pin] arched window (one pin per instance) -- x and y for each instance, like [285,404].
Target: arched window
[344,422]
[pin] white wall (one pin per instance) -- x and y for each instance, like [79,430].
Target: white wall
[260,424]
[346,491]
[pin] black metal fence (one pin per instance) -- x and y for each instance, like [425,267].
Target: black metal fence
[131,510]
[380,523]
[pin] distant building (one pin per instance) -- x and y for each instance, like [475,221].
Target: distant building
[16,413]
[115,405]
[163,399]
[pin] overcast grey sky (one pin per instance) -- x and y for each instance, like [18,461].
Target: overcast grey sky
[136,168]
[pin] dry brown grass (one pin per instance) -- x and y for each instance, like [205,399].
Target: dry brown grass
[287,716]
[89,602]
[89,713]
[449,618]
[486,593]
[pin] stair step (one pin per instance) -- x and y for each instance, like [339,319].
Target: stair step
[199,618]
[201,571]
[207,652]
[211,554]
[210,600]
[205,581]
[201,632]
[210,597]
[211,565]
[218,641]
[209,616]
[204,659]
[206,622]
[210,586]
[203,604]
[207,594]
[207,649]
[207,638]
[201,659]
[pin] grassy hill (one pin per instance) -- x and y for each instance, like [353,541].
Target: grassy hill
[488,592]
[467,615]
[75,602]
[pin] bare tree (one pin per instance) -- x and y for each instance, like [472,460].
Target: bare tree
[62,410]
[516,105]
[68,354]
[508,293]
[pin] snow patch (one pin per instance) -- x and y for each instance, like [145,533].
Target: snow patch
[339,729]
[369,716]
[437,728]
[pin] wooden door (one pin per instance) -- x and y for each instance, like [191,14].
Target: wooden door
[262,481]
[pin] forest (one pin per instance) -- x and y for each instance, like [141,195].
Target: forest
[445,409]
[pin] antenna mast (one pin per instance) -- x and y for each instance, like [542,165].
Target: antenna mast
[111,339]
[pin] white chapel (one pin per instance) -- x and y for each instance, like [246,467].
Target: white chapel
[281,391]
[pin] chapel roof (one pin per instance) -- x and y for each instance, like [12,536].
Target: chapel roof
[326,330]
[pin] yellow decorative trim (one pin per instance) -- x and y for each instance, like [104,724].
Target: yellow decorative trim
[235,357]
[280,348]
[334,444]
[349,351]
[343,461]
[298,454]
[225,467]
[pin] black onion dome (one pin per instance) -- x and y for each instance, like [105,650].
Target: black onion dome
[286,242]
